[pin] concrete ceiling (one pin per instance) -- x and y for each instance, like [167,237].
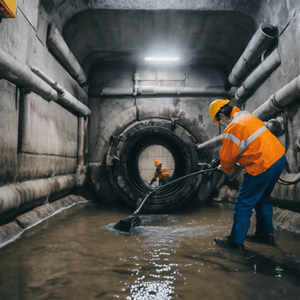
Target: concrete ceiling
[215,38]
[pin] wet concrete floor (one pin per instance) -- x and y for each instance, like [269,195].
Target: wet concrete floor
[77,255]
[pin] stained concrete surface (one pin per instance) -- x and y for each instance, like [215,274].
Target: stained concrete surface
[211,35]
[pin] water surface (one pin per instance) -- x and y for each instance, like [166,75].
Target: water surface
[77,255]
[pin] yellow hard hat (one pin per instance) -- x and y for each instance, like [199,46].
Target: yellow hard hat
[215,107]
[157,162]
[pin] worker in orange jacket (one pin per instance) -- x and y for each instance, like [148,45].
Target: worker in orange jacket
[248,142]
[161,172]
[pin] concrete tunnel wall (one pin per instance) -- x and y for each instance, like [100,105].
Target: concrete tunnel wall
[107,111]
[288,47]
[48,153]
[284,16]
[53,130]
[41,157]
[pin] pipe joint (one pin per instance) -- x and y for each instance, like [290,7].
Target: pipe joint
[275,105]
[136,84]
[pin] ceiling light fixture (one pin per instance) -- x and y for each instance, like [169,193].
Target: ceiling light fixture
[156,58]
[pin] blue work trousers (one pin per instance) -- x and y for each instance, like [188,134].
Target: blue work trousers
[164,181]
[255,192]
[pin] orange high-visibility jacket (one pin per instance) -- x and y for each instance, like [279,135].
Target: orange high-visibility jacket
[248,142]
[164,173]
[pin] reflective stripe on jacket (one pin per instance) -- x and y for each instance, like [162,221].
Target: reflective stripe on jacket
[248,142]
[164,173]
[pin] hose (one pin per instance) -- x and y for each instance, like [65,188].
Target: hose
[174,181]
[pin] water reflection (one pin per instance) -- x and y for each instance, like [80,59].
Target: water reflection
[78,255]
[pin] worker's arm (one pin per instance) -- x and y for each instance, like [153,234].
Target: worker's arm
[154,178]
[229,155]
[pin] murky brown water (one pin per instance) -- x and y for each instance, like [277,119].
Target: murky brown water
[76,255]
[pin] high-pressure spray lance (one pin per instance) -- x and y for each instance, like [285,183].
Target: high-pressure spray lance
[128,223]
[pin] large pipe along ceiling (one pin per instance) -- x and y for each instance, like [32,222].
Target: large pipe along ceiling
[127,148]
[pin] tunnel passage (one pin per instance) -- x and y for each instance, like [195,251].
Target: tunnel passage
[115,173]
[126,150]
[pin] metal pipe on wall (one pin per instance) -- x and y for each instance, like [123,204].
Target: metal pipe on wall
[261,41]
[47,79]
[23,196]
[21,75]
[59,47]
[95,91]
[80,145]
[71,103]
[15,72]
[212,143]
[19,197]
[277,102]
[258,75]
[24,121]
[65,99]
[154,90]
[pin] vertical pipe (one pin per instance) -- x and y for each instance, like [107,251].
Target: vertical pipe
[59,47]
[80,146]
[24,122]
[86,126]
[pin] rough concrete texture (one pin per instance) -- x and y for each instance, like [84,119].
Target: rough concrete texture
[287,196]
[100,181]
[14,229]
[9,231]
[67,201]
[114,128]
[56,133]
[111,38]
[111,113]
[30,11]
[226,194]
[208,185]
[177,33]
[44,211]
[146,115]
[143,112]
[61,11]
[53,130]
[115,75]
[34,216]
[19,197]
[286,219]
[289,46]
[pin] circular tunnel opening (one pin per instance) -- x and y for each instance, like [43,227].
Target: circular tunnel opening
[147,138]
[147,158]
[176,155]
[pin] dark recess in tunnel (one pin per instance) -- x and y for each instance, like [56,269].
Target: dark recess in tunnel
[182,148]
[145,139]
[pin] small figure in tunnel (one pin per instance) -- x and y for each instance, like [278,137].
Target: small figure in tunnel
[248,142]
[161,172]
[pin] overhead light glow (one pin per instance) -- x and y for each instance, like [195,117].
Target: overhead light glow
[156,58]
